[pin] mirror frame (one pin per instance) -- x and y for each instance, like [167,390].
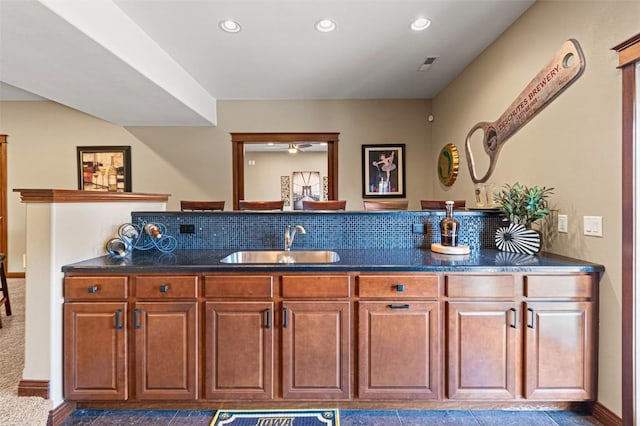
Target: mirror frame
[239,140]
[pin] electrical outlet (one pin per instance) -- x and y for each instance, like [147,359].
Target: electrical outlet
[593,226]
[417,228]
[563,223]
[187,228]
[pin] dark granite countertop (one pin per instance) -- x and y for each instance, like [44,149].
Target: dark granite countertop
[396,260]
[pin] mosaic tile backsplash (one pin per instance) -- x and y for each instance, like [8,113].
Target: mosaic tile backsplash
[325,230]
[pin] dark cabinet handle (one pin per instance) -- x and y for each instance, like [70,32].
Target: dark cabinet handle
[164,288]
[93,289]
[267,319]
[136,318]
[118,319]
[400,288]
[515,318]
[532,324]
[399,306]
[284,317]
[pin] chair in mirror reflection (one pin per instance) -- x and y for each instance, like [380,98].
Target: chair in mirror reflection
[324,205]
[186,205]
[261,205]
[439,205]
[386,205]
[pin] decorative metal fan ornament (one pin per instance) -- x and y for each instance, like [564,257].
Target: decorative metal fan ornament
[518,239]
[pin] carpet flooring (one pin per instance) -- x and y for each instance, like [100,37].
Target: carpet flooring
[14,410]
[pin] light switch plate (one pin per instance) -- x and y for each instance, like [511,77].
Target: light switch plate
[563,223]
[593,226]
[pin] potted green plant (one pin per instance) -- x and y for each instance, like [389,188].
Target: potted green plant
[523,205]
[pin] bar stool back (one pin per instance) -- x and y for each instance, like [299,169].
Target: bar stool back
[4,290]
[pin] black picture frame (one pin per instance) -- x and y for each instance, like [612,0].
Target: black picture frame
[95,168]
[383,171]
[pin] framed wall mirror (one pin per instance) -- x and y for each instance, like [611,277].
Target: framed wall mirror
[312,142]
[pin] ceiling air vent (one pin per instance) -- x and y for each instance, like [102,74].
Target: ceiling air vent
[427,63]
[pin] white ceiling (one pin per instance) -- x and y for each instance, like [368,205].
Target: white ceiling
[166,62]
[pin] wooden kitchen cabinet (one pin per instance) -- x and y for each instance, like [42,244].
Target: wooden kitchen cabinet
[539,345]
[292,337]
[561,336]
[240,325]
[165,326]
[156,317]
[483,337]
[316,337]
[95,351]
[483,350]
[398,350]
[239,350]
[239,337]
[399,338]
[95,338]
[165,350]
[315,350]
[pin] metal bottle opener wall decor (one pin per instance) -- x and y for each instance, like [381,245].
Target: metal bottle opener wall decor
[565,67]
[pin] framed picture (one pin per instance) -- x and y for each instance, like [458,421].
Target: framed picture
[104,168]
[305,186]
[383,171]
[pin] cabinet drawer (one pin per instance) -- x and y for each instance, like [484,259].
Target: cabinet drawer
[398,286]
[558,286]
[315,286]
[166,287]
[94,288]
[258,286]
[483,286]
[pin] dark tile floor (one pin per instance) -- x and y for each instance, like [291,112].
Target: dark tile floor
[347,418]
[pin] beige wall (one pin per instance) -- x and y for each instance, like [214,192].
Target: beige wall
[574,144]
[195,163]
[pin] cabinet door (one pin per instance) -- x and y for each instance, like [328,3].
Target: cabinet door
[483,350]
[165,352]
[559,351]
[316,350]
[399,350]
[239,350]
[95,348]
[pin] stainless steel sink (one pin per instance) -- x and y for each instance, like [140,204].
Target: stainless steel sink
[281,256]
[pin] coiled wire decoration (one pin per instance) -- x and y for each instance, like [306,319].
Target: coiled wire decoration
[141,236]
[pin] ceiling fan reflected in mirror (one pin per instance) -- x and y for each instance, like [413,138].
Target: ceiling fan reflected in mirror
[295,147]
[290,147]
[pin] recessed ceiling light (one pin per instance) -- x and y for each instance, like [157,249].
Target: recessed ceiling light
[325,25]
[230,26]
[420,24]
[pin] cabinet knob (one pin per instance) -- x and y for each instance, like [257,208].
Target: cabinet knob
[92,289]
[164,288]
[400,288]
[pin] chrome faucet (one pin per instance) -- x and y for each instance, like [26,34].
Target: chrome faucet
[289,235]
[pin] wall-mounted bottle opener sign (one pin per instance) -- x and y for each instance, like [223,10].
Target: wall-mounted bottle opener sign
[565,67]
